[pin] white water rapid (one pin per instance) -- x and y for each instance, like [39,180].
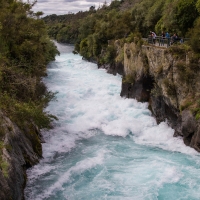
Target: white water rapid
[107,147]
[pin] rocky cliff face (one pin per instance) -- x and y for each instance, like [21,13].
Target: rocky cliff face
[117,66]
[167,78]
[19,150]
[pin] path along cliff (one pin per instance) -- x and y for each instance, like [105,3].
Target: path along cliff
[167,78]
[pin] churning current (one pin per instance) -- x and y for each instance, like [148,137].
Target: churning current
[104,146]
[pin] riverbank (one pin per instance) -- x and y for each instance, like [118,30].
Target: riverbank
[167,79]
[107,146]
[24,54]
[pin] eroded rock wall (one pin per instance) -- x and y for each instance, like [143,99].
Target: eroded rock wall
[19,150]
[168,78]
[117,66]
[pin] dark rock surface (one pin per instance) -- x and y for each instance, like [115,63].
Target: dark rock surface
[139,90]
[21,149]
[188,126]
[115,68]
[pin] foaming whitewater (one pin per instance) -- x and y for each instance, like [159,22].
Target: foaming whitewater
[104,146]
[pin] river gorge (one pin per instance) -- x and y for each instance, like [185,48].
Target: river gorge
[104,146]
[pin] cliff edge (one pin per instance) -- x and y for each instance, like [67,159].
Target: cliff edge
[167,78]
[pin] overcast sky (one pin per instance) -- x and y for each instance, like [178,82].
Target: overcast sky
[60,7]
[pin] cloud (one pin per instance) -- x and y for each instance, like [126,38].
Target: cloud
[61,7]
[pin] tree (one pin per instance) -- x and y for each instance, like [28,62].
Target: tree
[25,51]
[186,13]
[92,8]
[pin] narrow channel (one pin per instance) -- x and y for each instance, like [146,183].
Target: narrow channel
[104,146]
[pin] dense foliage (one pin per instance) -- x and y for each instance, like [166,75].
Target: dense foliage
[64,28]
[96,27]
[24,53]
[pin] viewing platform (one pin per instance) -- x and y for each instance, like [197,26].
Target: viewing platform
[164,42]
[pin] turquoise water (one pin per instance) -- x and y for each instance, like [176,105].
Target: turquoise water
[107,147]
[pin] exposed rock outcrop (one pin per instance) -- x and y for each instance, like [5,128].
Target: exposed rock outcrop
[117,66]
[19,150]
[167,78]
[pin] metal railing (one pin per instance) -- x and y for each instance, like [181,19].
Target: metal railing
[165,42]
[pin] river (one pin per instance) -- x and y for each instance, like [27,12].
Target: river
[104,146]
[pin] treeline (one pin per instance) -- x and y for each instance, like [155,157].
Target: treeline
[25,50]
[64,28]
[122,20]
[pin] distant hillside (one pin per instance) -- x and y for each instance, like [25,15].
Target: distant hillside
[64,28]
[91,30]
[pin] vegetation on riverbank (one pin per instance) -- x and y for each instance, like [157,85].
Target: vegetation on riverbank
[25,51]
[91,30]
[106,35]
[94,32]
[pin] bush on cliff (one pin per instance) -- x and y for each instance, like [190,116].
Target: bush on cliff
[25,50]
[108,56]
[24,53]
[194,35]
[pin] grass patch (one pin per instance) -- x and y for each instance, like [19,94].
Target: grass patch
[156,91]
[4,167]
[120,56]
[128,79]
[170,87]
[197,116]
[196,110]
[185,105]
[3,164]
[108,55]
[145,63]
[160,70]
[178,51]
[186,72]
[20,112]
[136,38]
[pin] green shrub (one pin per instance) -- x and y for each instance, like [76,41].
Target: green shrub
[185,105]
[186,72]
[145,63]
[195,108]
[3,164]
[170,87]
[120,56]
[108,55]
[135,37]
[24,53]
[193,34]
[21,112]
[178,51]
[197,117]
[156,91]
[130,38]
[128,79]
[4,167]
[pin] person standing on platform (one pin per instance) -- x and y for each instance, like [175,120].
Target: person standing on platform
[167,36]
[162,38]
[153,35]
